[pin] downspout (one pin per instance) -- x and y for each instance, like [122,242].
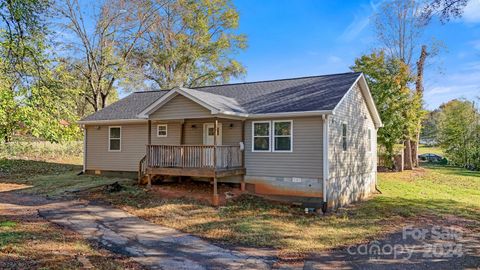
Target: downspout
[325,162]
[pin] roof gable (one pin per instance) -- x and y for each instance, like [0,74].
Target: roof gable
[215,103]
[179,107]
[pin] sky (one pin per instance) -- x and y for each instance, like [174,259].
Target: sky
[288,38]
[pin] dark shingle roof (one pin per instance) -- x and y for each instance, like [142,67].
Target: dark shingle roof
[128,107]
[288,95]
[316,93]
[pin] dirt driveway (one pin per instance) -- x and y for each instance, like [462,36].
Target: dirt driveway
[158,247]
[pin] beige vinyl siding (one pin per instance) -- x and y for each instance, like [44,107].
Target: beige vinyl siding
[180,107]
[231,135]
[305,161]
[351,172]
[173,133]
[133,141]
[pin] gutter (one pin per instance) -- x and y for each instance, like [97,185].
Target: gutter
[111,122]
[325,177]
[223,113]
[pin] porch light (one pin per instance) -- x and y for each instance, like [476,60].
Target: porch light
[231,125]
[194,126]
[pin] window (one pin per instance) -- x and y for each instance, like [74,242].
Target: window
[114,138]
[261,136]
[162,131]
[344,136]
[370,140]
[282,136]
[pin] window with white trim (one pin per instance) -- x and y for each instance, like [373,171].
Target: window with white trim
[261,136]
[344,137]
[162,130]
[282,136]
[114,138]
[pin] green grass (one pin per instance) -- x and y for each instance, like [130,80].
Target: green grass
[424,149]
[434,192]
[48,178]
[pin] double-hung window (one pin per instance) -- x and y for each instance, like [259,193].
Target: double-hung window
[261,136]
[114,138]
[282,136]
[162,130]
[344,137]
[272,136]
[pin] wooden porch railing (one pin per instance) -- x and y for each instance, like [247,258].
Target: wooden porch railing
[142,168]
[194,156]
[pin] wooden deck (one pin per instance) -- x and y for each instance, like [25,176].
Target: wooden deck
[212,161]
[196,172]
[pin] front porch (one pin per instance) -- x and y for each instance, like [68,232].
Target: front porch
[212,159]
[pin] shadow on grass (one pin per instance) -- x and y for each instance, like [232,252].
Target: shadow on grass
[451,170]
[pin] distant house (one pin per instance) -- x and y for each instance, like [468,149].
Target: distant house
[310,139]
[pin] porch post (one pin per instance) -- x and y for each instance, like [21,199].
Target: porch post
[149,140]
[215,130]
[242,181]
[215,192]
[215,133]
[149,181]
[182,133]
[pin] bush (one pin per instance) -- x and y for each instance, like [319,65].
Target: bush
[40,150]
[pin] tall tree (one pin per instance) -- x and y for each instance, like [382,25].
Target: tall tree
[103,52]
[399,29]
[458,132]
[191,43]
[22,37]
[388,79]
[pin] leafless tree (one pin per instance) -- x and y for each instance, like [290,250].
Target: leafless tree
[445,9]
[103,51]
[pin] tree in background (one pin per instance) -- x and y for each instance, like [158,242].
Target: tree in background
[190,43]
[459,133]
[33,99]
[104,50]
[429,133]
[388,79]
[399,30]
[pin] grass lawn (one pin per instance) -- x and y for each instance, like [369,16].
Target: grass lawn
[424,149]
[30,242]
[49,178]
[431,193]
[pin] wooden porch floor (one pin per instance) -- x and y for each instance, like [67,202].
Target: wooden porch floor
[196,172]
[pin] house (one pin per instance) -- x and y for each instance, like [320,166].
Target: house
[310,139]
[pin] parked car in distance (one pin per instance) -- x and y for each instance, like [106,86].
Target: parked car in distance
[430,157]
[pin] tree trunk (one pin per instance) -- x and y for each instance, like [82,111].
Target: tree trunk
[407,155]
[103,100]
[414,146]
[419,92]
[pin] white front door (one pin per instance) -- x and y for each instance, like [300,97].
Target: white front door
[208,134]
